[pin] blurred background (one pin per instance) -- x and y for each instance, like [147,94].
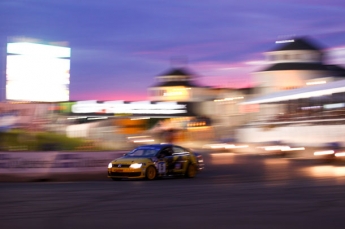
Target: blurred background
[296,99]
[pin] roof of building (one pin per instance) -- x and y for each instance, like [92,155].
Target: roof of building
[177,72]
[296,66]
[302,43]
[335,70]
[189,82]
[247,90]
[176,83]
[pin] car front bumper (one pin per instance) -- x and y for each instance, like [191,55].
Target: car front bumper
[126,173]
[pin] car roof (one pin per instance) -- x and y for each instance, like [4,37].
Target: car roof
[160,145]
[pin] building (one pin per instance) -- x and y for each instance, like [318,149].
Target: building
[219,104]
[295,63]
[179,84]
[300,98]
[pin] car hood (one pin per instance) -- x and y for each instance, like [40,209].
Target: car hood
[131,160]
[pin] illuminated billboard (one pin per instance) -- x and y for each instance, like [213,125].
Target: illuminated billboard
[122,108]
[37,72]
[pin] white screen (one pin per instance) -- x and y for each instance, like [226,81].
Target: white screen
[36,72]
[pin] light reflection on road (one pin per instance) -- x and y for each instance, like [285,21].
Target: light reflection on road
[324,171]
[276,170]
[222,158]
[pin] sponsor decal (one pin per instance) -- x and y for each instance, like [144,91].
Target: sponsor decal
[178,166]
[161,167]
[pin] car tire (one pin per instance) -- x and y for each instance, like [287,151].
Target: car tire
[191,171]
[151,173]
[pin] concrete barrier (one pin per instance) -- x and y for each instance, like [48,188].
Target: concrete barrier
[42,166]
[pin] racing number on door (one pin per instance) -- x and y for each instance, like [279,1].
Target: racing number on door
[161,167]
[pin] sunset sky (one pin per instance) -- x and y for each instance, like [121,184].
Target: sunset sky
[118,47]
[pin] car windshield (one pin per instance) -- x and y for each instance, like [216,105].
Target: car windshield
[143,152]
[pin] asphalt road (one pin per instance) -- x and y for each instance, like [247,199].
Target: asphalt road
[234,191]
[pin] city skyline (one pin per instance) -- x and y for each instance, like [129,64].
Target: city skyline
[117,49]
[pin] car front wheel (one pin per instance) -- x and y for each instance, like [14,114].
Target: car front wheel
[151,173]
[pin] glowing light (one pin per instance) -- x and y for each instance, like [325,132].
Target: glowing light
[224,146]
[284,41]
[177,92]
[198,127]
[334,105]
[235,147]
[196,124]
[271,148]
[325,171]
[135,166]
[140,118]
[293,149]
[173,93]
[144,140]
[39,50]
[281,148]
[340,154]
[138,137]
[228,99]
[221,154]
[316,82]
[311,108]
[320,153]
[82,117]
[119,107]
[37,72]
[214,146]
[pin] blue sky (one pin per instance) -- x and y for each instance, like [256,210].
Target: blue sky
[118,47]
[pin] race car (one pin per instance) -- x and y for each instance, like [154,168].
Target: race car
[156,160]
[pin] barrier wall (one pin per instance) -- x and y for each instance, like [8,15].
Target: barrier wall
[40,166]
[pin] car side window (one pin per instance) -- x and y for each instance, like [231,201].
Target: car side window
[166,152]
[150,153]
[178,150]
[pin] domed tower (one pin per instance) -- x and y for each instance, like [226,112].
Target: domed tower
[294,64]
[177,84]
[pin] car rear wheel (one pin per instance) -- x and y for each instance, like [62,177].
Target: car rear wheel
[191,171]
[151,173]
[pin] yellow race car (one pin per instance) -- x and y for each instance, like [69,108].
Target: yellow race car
[156,160]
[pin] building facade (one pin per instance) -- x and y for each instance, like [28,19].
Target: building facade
[295,63]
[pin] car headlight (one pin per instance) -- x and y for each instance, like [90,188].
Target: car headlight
[135,166]
[110,165]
